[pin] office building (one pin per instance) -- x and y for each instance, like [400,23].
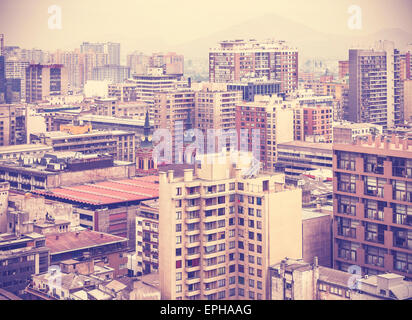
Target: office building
[117,143]
[258,87]
[112,73]
[21,256]
[45,80]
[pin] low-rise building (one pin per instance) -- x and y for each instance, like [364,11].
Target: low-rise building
[59,169]
[347,132]
[95,245]
[21,256]
[120,144]
[293,279]
[108,206]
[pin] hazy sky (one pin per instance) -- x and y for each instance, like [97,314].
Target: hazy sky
[25,22]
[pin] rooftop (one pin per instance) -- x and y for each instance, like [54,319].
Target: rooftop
[306,144]
[75,240]
[108,192]
[24,148]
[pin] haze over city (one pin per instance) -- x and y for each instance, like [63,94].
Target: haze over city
[205,151]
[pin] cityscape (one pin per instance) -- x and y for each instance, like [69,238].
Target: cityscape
[205,151]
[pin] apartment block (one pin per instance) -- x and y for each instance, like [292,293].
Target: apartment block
[375,87]
[293,279]
[147,237]
[273,118]
[222,233]
[174,111]
[343,69]
[8,124]
[148,85]
[21,257]
[372,187]
[407,109]
[216,110]
[45,80]
[238,60]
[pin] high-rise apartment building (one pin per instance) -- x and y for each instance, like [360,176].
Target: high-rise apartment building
[149,84]
[343,69]
[2,52]
[216,110]
[45,80]
[8,124]
[375,87]
[273,117]
[221,232]
[372,186]
[16,69]
[170,63]
[112,73]
[2,80]
[242,59]
[174,111]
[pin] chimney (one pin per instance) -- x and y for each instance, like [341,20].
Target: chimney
[170,175]
[370,140]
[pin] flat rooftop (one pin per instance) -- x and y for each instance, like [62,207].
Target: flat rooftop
[61,134]
[306,144]
[24,148]
[108,192]
[76,240]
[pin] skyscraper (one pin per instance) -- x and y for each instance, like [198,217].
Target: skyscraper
[375,87]
[243,59]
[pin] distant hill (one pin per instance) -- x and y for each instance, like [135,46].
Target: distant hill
[311,43]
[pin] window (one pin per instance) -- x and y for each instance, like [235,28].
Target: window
[335,290]
[178,288]
[178,276]
[178,215]
[178,239]
[179,228]
[178,191]
[178,252]
[178,264]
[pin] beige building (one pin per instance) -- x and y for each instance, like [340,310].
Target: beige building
[7,124]
[173,110]
[226,224]
[118,143]
[114,108]
[407,95]
[147,237]
[294,279]
[273,118]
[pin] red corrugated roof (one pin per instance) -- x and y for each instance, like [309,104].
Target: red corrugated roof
[108,192]
[68,241]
